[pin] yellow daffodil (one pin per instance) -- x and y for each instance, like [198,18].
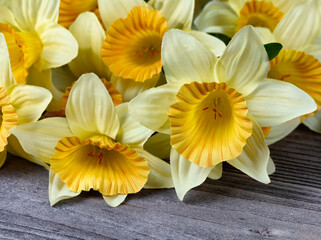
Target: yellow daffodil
[19,104]
[214,108]
[97,146]
[227,17]
[34,37]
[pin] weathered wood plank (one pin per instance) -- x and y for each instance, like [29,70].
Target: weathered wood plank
[234,207]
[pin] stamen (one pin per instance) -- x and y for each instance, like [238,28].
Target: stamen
[285,76]
[205,108]
[91,154]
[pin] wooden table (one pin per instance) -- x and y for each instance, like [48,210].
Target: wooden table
[234,207]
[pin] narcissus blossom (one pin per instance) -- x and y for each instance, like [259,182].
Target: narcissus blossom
[34,37]
[214,108]
[97,146]
[19,104]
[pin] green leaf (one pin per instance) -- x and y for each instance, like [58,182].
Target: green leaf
[273,49]
[222,37]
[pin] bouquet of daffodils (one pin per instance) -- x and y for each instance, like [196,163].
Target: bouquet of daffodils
[120,95]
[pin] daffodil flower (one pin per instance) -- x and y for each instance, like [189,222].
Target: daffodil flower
[34,37]
[19,104]
[97,146]
[214,108]
[227,17]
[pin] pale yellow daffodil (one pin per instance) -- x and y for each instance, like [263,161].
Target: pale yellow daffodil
[34,37]
[214,108]
[97,146]
[20,104]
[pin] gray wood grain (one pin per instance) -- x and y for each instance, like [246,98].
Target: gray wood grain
[234,207]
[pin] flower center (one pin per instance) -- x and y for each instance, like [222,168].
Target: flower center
[8,117]
[259,14]
[300,69]
[24,50]
[70,9]
[132,48]
[209,123]
[100,164]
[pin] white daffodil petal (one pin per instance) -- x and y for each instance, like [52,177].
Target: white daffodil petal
[185,59]
[265,35]
[237,5]
[34,12]
[254,159]
[90,36]
[44,79]
[179,13]
[6,76]
[275,102]
[300,26]
[214,44]
[90,110]
[115,201]
[59,45]
[160,172]
[244,63]
[216,172]
[7,16]
[29,102]
[111,10]
[270,166]
[130,131]
[217,17]
[186,175]
[129,88]
[314,122]
[150,107]
[14,147]
[44,135]
[285,5]
[3,157]
[314,50]
[58,190]
[280,131]
[159,145]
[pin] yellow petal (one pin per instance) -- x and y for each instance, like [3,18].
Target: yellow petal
[110,168]
[209,123]
[6,76]
[132,48]
[115,201]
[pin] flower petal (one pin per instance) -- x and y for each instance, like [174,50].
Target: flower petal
[254,159]
[216,172]
[3,157]
[237,5]
[159,145]
[280,131]
[90,36]
[91,114]
[275,102]
[6,76]
[150,107]
[300,26]
[314,122]
[214,44]
[130,89]
[29,102]
[14,147]
[186,175]
[111,10]
[115,201]
[58,190]
[179,13]
[59,45]
[130,131]
[217,17]
[244,63]
[62,77]
[33,12]
[270,166]
[185,59]
[44,134]
[160,171]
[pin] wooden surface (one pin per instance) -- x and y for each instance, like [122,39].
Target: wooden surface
[234,207]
